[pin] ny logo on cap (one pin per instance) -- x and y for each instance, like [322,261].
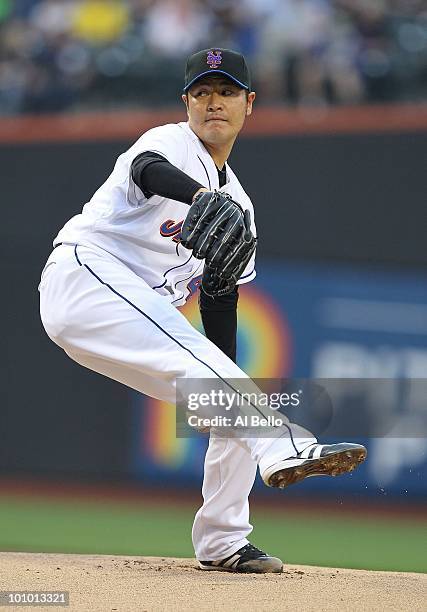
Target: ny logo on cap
[214,59]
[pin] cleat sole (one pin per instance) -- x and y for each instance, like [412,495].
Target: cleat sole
[270,565]
[335,464]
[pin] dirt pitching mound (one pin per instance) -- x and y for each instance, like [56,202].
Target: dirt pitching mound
[104,583]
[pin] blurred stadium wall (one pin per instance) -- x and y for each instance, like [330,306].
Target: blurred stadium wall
[341,290]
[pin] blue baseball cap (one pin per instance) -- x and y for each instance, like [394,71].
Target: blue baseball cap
[217,61]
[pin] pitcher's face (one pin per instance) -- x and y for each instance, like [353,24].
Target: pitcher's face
[217,109]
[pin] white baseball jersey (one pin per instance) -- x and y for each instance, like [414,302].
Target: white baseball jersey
[144,233]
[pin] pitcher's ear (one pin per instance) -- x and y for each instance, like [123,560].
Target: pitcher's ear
[250,100]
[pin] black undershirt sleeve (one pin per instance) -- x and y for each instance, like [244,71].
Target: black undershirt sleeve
[219,315]
[155,175]
[219,318]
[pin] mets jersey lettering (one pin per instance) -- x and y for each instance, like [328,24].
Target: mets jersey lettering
[170,229]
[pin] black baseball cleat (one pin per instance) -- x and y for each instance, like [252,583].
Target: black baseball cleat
[247,560]
[315,460]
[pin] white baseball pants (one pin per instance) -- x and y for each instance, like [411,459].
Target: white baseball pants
[109,320]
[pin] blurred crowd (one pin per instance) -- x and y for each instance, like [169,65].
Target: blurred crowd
[58,55]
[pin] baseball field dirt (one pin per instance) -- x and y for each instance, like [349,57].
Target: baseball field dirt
[123,583]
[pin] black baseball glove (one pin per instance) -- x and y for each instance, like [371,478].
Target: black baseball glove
[219,231]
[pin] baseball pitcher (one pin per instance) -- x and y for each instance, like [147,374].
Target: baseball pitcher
[171,219]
